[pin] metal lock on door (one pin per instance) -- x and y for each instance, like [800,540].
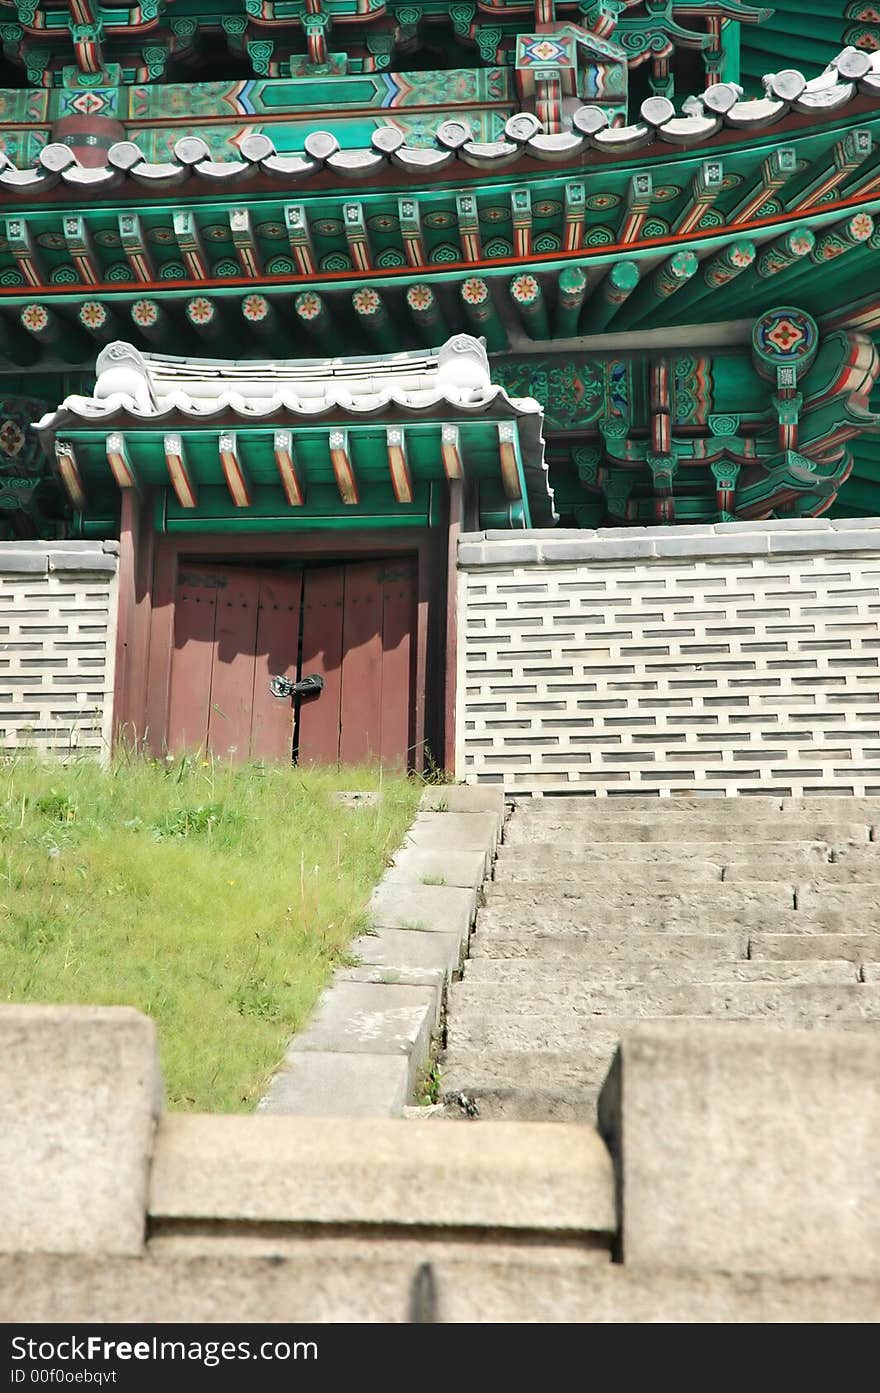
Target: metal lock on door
[308,686]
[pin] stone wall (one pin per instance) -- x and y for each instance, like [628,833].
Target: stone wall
[57,641]
[735,1179]
[735,659]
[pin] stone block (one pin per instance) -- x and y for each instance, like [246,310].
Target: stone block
[372,1018]
[414,866]
[23,561]
[791,947]
[593,902]
[408,948]
[535,974]
[817,897]
[97,561]
[433,977]
[854,524]
[742,544]
[685,828]
[702,529]
[497,534]
[470,798]
[568,1009]
[340,1085]
[362,1282]
[358,1172]
[81,1093]
[444,909]
[498,940]
[829,541]
[775,525]
[747,1150]
[454,831]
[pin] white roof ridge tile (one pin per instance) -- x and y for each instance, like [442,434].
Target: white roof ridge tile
[851,72]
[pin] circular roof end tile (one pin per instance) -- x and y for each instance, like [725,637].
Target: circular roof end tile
[321,145]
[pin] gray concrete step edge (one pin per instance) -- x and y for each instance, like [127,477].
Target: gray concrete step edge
[371,1037]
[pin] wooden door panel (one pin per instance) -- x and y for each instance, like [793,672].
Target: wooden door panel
[398,618]
[192,660]
[235,643]
[361,707]
[323,592]
[276,656]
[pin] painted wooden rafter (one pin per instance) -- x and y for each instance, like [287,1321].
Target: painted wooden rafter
[639,196]
[423,305]
[311,310]
[234,471]
[705,189]
[411,231]
[355,225]
[178,472]
[244,241]
[848,154]
[121,467]
[189,240]
[398,464]
[343,468]
[450,451]
[68,469]
[508,450]
[288,472]
[521,216]
[82,249]
[27,258]
[575,206]
[467,212]
[776,170]
[133,239]
[300,238]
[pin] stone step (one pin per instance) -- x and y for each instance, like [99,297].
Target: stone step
[798,855]
[641,875]
[814,872]
[595,899]
[536,975]
[819,897]
[739,808]
[788,947]
[541,914]
[577,806]
[584,870]
[499,1016]
[675,827]
[572,1071]
[572,951]
[504,1103]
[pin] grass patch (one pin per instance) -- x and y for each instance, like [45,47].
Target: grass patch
[216,899]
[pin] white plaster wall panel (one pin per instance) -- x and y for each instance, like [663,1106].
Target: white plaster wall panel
[755,668]
[57,641]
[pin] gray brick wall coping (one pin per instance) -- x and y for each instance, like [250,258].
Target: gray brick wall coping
[39,558]
[784,535]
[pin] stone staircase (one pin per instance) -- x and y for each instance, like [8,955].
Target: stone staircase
[602,914]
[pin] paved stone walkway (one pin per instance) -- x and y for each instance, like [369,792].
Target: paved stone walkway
[601,914]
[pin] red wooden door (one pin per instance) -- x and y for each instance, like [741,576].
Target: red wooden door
[358,634]
[234,629]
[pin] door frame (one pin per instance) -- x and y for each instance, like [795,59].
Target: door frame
[149,564]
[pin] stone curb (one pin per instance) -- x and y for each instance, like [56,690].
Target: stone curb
[30,559]
[370,1039]
[776,537]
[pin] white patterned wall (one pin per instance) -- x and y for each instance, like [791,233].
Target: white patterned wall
[57,638]
[729,660]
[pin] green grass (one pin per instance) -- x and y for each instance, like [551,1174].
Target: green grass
[216,899]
